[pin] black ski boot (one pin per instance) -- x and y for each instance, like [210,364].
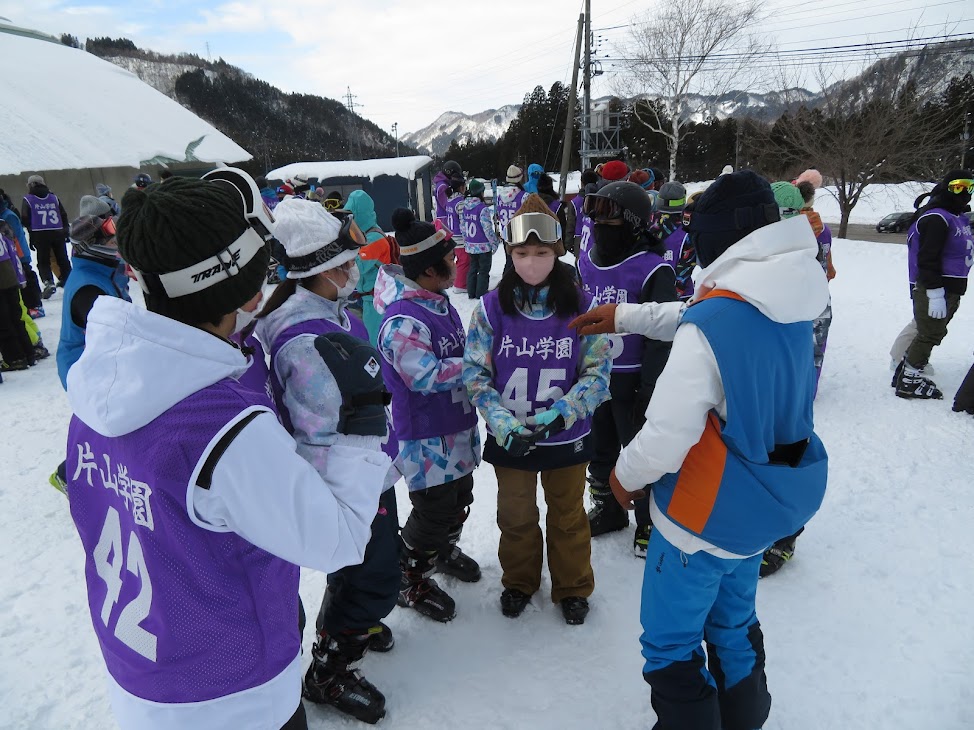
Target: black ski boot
[334,679]
[912,384]
[453,561]
[606,514]
[513,602]
[575,609]
[778,554]
[417,590]
[381,638]
[49,290]
[640,543]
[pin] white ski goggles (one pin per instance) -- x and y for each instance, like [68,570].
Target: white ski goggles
[546,228]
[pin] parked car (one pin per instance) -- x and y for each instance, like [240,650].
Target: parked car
[895,222]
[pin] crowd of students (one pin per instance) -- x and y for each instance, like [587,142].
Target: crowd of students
[673,368]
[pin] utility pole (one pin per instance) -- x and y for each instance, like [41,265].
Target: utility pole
[566,148]
[586,153]
[395,131]
[965,140]
[351,104]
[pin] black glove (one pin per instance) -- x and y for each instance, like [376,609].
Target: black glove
[522,442]
[354,363]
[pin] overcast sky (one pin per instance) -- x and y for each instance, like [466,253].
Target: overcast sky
[408,61]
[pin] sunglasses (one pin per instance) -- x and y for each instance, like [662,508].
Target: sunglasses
[108,227]
[601,209]
[961,186]
[546,228]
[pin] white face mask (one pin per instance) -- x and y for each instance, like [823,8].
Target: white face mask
[243,319]
[344,292]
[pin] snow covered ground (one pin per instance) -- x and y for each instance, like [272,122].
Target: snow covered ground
[867,628]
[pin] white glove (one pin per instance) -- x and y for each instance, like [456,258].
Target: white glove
[937,305]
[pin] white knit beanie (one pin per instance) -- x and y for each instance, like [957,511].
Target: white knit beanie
[309,233]
[515,174]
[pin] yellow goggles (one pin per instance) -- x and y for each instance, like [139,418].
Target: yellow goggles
[961,186]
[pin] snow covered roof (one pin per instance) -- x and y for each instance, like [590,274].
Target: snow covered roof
[70,110]
[406,167]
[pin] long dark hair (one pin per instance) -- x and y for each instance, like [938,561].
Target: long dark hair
[564,296]
[281,294]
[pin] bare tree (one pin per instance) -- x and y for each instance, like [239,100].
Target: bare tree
[874,128]
[684,54]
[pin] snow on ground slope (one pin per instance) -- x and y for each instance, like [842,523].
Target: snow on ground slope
[867,628]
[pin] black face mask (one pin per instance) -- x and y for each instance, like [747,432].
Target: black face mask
[613,241]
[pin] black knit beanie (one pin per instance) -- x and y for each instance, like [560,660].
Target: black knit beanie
[420,244]
[735,205]
[170,227]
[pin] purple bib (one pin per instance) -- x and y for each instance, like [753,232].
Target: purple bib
[390,445]
[182,613]
[506,210]
[473,231]
[824,246]
[619,284]
[453,215]
[258,376]
[580,217]
[424,415]
[958,254]
[536,362]
[555,206]
[674,246]
[45,213]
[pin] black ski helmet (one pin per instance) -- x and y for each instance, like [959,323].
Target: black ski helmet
[635,203]
[452,169]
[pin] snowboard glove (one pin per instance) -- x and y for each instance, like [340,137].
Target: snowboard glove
[518,442]
[354,364]
[598,321]
[937,303]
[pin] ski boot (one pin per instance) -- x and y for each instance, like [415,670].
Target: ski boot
[778,554]
[454,561]
[574,609]
[49,289]
[911,383]
[420,592]
[381,638]
[37,313]
[13,365]
[606,514]
[513,602]
[40,352]
[640,543]
[59,479]
[334,679]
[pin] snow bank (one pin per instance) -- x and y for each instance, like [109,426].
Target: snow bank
[67,109]
[866,628]
[407,167]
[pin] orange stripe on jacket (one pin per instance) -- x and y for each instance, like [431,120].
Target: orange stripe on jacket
[718,293]
[700,477]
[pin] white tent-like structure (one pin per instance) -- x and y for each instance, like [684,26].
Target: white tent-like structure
[79,120]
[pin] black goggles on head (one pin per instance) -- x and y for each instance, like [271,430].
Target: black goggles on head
[601,209]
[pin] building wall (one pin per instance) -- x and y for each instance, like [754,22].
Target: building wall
[388,191]
[70,185]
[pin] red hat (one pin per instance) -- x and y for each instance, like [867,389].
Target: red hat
[614,170]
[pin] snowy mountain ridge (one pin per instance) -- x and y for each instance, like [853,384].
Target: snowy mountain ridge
[436,137]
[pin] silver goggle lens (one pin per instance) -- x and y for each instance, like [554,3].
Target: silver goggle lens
[546,228]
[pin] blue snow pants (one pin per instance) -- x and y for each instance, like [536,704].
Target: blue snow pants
[688,599]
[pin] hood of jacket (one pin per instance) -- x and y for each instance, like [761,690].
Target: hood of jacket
[362,206]
[41,191]
[137,365]
[391,285]
[301,306]
[507,194]
[775,269]
[531,181]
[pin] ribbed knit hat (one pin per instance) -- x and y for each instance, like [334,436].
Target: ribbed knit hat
[309,234]
[192,249]
[731,208]
[534,203]
[475,187]
[811,175]
[421,245]
[514,174]
[789,199]
[35,180]
[614,170]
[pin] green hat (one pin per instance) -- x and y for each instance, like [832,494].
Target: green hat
[475,188]
[789,199]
